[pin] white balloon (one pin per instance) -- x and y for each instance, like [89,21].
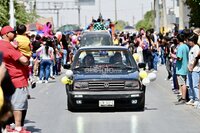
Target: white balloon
[69,73]
[152,76]
[145,81]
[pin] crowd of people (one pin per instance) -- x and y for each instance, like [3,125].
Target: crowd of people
[26,57]
[178,51]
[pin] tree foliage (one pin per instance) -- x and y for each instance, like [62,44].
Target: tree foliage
[21,15]
[4,12]
[120,25]
[147,22]
[194,6]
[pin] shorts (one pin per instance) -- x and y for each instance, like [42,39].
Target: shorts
[19,99]
[181,79]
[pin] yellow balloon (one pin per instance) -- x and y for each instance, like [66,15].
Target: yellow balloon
[143,74]
[1,98]
[66,80]
[136,56]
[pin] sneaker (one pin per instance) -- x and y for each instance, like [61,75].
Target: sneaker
[46,81]
[52,77]
[181,102]
[190,102]
[198,106]
[195,104]
[155,71]
[168,79]
[19,130]
[33,84]
[40,81]
[179,97]
[175,90]
[171,79]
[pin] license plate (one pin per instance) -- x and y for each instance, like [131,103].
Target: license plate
[106,103]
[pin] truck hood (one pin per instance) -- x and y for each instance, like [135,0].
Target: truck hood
[122,76]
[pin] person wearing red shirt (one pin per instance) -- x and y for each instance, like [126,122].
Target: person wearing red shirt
[15,63]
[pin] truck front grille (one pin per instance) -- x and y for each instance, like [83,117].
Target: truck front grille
[111,85]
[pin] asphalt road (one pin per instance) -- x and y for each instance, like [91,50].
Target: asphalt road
[48,113]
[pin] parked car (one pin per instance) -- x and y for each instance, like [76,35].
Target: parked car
[96,38]
[105,77]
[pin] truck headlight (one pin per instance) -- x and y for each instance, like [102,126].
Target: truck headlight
[132,84]
[81,86]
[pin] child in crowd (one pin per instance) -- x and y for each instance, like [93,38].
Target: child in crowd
[22,43]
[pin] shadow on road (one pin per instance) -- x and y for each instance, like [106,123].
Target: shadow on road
[33,129]
[146,108]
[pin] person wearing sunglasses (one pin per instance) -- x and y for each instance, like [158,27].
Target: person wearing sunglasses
[15,63]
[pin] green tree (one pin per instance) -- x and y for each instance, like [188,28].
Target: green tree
[194,6]
[4,14]
[120,25]
[147,22]
[21,16]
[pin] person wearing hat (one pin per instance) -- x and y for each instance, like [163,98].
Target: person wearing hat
[15,63]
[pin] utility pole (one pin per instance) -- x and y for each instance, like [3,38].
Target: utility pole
[57,11]
[164,15]
[115,10]
[12,12]
[133,20]
[173,4]
[85,20]
[181,14]
[99,6]
[142,11]
[79,13]
[57,7]
[157,15]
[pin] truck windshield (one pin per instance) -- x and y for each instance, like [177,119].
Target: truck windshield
[101,59]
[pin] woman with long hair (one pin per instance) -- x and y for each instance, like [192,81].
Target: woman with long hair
[64,45]
[46,57]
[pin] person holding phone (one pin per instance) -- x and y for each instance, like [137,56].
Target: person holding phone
[15,63]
